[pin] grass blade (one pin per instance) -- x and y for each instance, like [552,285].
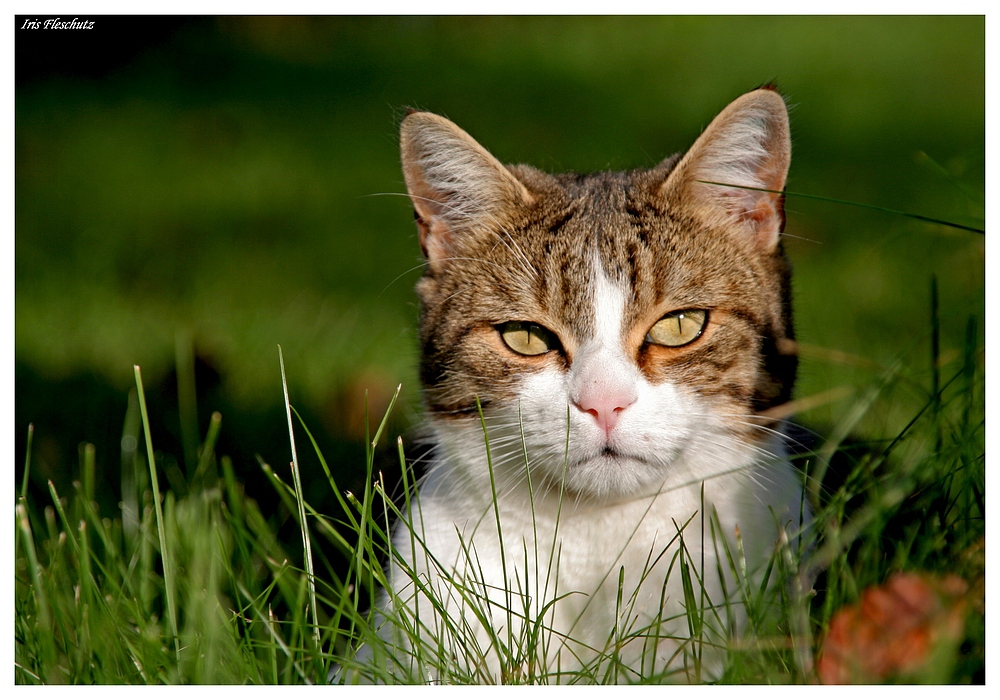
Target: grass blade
[873,207]
[168,564]
[208,449]
[88,464]
[43,629]
[306,542]
[27,462]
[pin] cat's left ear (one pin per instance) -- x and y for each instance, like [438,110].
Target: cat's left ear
[735,172]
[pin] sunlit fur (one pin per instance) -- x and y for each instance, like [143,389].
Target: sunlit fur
[606,451]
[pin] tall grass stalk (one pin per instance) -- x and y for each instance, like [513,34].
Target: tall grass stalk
[297,480]
[168,571]
[27,461]
[861,205]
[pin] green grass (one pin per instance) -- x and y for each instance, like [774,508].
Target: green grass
[214,197]
[197,586]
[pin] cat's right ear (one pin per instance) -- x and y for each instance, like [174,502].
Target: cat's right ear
[456,185]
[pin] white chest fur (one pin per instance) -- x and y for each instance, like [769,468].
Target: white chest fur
[570,585]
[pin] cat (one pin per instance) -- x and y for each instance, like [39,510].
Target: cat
[599,357]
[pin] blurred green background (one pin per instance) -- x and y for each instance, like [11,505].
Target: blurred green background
[232,184]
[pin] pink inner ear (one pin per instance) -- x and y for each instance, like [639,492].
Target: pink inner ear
[434,232]
[435,238]
[762,212]
[768,219]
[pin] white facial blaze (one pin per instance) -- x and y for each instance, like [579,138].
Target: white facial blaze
[626,434]
[603,380]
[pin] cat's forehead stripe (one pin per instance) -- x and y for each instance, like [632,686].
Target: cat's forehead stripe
[609,308]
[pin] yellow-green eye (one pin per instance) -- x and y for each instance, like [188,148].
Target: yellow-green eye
[526,338]
[678,328]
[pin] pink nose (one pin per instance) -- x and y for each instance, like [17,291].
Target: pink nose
[605,408]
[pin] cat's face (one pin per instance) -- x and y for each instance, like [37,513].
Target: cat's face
[642,315]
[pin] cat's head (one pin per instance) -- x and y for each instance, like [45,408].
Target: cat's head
[643,315]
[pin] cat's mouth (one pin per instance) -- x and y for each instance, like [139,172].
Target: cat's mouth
[609,455]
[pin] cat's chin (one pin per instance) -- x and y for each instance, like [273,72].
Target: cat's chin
[612,476]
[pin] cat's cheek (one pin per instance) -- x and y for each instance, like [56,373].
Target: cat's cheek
[547,420]
[544,405]
[662,420]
